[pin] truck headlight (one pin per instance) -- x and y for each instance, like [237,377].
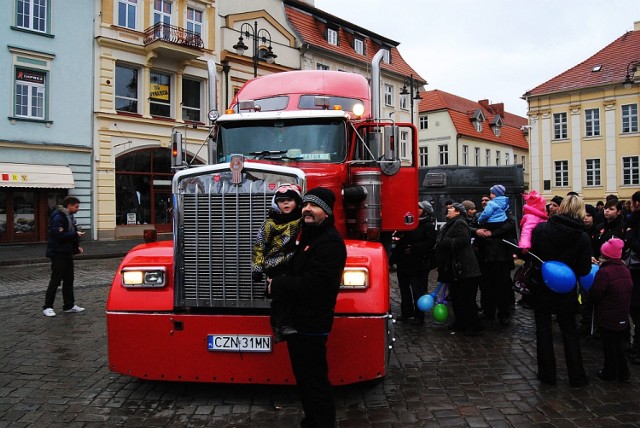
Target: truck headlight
[143,277]
[354,278]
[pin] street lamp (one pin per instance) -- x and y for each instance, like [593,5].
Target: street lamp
[256,34]
[413,97]
[632,68]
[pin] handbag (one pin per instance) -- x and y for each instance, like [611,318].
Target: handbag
[525,278]
[631,259]
[455,268]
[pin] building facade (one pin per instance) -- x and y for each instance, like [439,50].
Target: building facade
[46,150]
[156,72]
[584,125]
[455,131]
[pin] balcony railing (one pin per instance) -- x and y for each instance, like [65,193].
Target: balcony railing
[172,34]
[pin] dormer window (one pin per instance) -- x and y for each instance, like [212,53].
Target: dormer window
[332,36]
[496,124]
[387,56]
[358,46]
[477,117]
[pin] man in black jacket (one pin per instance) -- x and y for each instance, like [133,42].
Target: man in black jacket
[311,287]
[62,244]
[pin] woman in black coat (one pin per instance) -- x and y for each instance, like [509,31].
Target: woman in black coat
[454,243]
[563,239]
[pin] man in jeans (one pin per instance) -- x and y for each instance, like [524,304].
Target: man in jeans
[63,243]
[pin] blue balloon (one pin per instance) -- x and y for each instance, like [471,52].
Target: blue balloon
[425,303]
[558,276]
[587,280]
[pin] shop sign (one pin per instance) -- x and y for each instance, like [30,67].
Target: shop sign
[13,177]
[30,76]
[131,218]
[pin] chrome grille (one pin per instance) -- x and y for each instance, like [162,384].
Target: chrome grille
[217,225]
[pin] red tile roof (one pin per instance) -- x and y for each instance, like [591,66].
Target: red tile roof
[613,60]
[311,24]
[460,110]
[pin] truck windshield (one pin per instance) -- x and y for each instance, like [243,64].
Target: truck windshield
[302,140]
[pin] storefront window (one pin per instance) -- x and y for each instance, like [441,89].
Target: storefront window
[3,212]
[24,208]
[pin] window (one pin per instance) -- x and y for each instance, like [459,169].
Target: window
[559,126]
[562,173]
[496,131]
[465,155]
[404,104]
[32,15]
[592,122]
[404,146]
[506,158]
[160,94]
[191,101]
[593,172]
[523,163]
[631,170]
[332,36]
[424,122]
[443,154]
[388,95]
[630,118]
[194,21]
[515,159]
[424,156]
[358,46]
[387,56]
[497,157]
[126,89]
[477,124]
[487,156]
[321,66]
[162,19]
[477,156]
[30,94]
[127,11]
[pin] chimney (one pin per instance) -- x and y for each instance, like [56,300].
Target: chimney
[497,108]
[636,26]
[484,104]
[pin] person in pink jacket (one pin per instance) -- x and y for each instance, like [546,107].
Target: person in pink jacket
[534,213]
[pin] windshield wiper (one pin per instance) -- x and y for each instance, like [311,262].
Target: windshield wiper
[268,154]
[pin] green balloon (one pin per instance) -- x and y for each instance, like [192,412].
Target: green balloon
[440,312]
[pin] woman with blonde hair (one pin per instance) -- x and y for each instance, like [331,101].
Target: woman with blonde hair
[561,238]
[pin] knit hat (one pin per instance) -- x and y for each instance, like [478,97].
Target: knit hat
[468,205]
[557,199]
[535,200]
[322,197]
[591,210]
[498,190]
[612,249]
[290,191]
[426,207]
[459,207]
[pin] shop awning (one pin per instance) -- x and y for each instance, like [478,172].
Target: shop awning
[40,176]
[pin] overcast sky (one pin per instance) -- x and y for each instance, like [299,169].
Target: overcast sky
[494,49]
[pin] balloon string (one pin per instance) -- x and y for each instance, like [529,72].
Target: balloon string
[444,294]
[529,252]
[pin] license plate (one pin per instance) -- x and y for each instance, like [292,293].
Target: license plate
[239,343]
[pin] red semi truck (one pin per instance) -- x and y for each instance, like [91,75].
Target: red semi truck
[187,309]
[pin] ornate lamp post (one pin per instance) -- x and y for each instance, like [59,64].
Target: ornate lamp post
[257,35]
[632,69]
[412,83]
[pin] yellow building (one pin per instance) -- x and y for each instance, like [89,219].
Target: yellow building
[584,134]
[154,61]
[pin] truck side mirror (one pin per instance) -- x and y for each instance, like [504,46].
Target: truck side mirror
[390,164]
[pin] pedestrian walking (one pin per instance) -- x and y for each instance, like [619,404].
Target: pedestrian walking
[632,243]
[62,244]
[561,238]
[611,294]
[311,287]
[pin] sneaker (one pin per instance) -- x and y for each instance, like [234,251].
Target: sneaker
[74,310]
[49,312]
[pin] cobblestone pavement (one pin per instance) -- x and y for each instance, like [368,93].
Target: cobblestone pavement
[53,372]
